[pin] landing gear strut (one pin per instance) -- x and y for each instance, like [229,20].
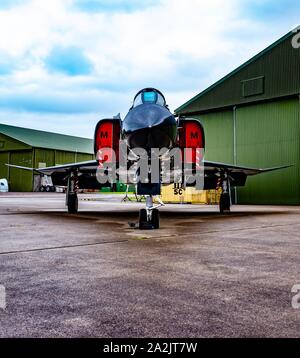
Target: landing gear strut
[224,204]
[225,198]
[71,195]
[149,217]
[127,197]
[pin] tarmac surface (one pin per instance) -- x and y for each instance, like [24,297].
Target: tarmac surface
[201,274]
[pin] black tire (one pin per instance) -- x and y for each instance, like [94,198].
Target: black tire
[72,203]
[42,189]
[155,219]
[142,218]
[224,203]
[48,189]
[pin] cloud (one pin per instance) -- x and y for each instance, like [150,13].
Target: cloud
[70,61]
[113,5]
[82,99]
[78,59]
[50,103]
[6,64]
[82,125]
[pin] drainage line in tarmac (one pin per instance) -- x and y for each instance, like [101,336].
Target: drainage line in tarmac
[60,247]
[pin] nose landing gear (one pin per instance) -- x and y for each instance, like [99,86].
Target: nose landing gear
[149,217]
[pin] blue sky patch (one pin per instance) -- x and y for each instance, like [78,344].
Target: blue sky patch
[71,61]
[6,4]
[271,9]
[113,5]
[7,64]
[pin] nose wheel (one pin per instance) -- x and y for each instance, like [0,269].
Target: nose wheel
[146,223]
[149,217]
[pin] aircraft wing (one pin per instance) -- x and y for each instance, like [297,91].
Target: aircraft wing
[217,167]
[237,174]
[87,166]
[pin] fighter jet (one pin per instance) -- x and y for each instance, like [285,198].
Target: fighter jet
[149,124]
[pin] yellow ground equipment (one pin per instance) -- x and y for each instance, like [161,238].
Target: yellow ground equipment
[175,193]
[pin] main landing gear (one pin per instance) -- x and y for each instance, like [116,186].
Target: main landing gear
[149,217]
[225,198]
[224,204]
[71,195]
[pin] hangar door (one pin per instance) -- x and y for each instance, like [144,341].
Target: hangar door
[268,134]
[21,180]
[4,158]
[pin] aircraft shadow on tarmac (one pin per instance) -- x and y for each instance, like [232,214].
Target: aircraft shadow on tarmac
[166,214]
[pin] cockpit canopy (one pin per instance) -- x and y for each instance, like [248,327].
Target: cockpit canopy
[149,95]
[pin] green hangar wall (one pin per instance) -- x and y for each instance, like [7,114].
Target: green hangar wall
[32,148]
[251,117]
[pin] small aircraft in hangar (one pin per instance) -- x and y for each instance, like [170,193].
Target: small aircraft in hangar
[148,124]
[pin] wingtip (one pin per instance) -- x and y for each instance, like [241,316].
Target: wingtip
[277,168]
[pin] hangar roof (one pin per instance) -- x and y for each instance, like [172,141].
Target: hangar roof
[272,73]
[48,140]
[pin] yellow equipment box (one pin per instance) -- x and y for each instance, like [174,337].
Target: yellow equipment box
[175,193]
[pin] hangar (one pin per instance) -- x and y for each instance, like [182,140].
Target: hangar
[251,117]
[38,149]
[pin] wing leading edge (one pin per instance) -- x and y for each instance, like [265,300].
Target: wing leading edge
[87,166]
[236,174]
[217,167]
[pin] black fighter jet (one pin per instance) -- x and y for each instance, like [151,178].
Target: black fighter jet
[148,124]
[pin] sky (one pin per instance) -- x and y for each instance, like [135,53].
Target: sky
[65,64]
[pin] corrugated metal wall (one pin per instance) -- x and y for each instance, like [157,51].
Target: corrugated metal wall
[21,180]
[15,152]
[81,157]
[267,135]
[4,159]
[69,157]
[43,158]
[7,144]
[218,128]
[64,157]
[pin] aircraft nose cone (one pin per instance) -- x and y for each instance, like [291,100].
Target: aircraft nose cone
[149,126]
[145,116]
